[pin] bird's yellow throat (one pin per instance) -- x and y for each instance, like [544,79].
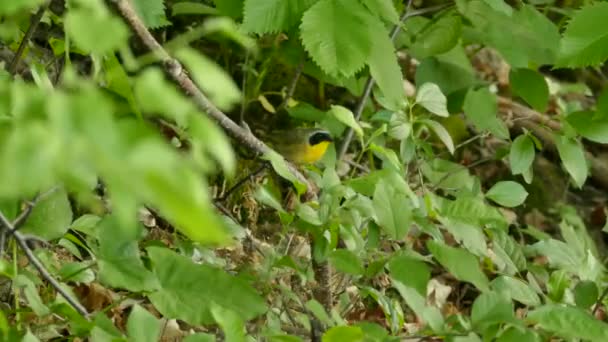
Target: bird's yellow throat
[312,153]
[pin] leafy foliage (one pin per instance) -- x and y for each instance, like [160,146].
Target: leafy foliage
[127,213]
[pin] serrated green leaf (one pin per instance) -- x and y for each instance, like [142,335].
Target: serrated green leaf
[573,157]
[521,154]
[432,99]
[272,16]
[336,35]
[569,322]
[383,9]
[586,124]
[181,295]
[507,193]
[530,86]
[585,42]
[481,108]
[151,12]
[460,263]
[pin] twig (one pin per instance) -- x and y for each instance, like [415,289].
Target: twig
[240,182]
[12,69]
[22,241]
[599,301]
[175,70]
[367,89]
[292,86]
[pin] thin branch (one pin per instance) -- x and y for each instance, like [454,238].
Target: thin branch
[12,69]
[241,182]
[22,241]
[369,85]
[292,86]
[175,70]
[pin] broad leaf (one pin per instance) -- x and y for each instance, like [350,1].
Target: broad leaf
[346,261]
[142,325]
[182,296]
[345,116]
[336,35]
[569,322]
[51,216]
[432,99]
[384,68]
[152,12]
[383,9]
[521,154]
[507,193]
[460,263]
[530,86]
[439,37]
[441,132]
[491,308]
[573,157]
[586,124]
[516,290]
[481,108]
[585,41]
[272,16]
[392,210]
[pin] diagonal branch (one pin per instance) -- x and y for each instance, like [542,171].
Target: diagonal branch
[367,89]
[12,69]
[175,70]
[22,241]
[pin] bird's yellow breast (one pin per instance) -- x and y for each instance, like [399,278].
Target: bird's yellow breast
[312,153]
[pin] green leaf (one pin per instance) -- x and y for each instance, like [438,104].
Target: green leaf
[384,68]
[518,334]
[491,308]
[181,295]
[530,86]
[437,38]
[586,124]
[345,116]
[507,193]
[95,31]
[480,107]
[192,8]
[441,132]
[343,333]
[151,12]
[51,216]
[231,322]
[282,169]
[585,294]
[516,290]
[118,258]
[200,337]
[213,80]
[470,236]
[460,263]
[521,154]
[451,71]
[272,16]
[410,272]
[12,7]
[336,35]
[142,325]
[392,210]
[346,261]
[432,99]
[79,272]
[27,286]
[383,9]
[573,157]
[531,38]
[569,322]
[208,137]
[585,42]
[231,8]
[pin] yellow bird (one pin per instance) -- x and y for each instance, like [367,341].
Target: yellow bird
[301,145]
